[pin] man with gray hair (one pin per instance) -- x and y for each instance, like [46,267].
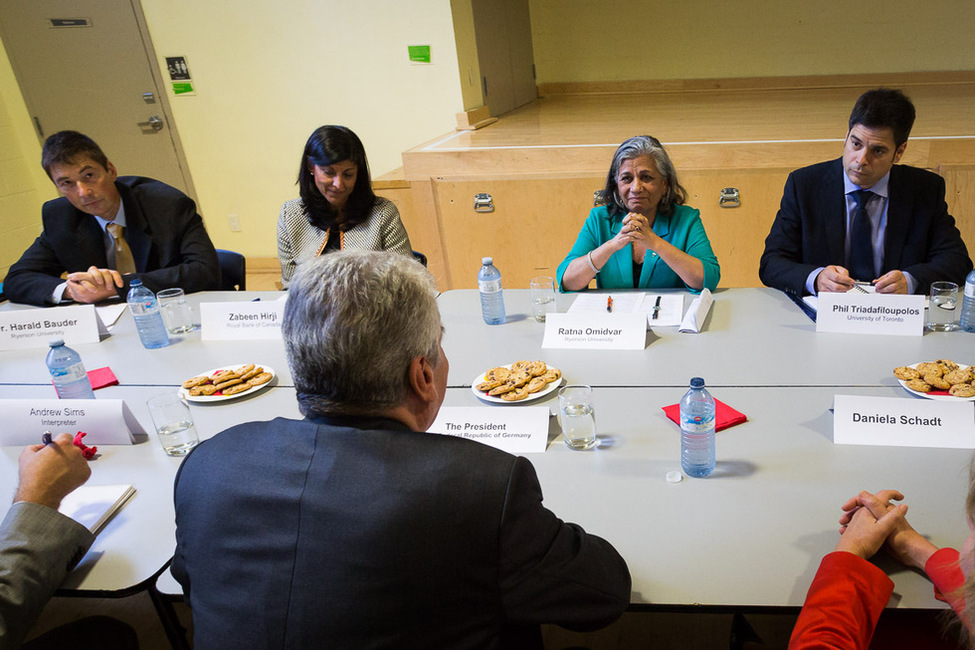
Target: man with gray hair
[352,528]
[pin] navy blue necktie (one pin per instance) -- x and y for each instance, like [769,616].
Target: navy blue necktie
[861,242]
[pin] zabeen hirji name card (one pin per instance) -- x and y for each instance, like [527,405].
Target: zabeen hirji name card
[106,421]
[235,321]
[33,328]
[518,430]
[903,422]
[870,313]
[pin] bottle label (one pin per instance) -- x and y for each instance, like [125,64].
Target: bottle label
[489,286]
[71,373]
[970,289]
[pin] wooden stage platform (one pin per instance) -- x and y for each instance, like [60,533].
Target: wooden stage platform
[542,162]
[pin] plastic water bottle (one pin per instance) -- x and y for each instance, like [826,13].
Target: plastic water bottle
[492,300]
[968,304]
[67,371]
[148,318]
[697,430]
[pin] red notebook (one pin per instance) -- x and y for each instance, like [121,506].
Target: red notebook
[724,415]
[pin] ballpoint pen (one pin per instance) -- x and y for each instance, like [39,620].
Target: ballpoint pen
[609,303]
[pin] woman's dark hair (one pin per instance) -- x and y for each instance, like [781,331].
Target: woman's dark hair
[326,146]
[635,147]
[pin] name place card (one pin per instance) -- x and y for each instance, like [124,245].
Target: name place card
[903,422]
[33,328]
[517,430]
[106,421]
[588,331]
[235,321]
[870,313]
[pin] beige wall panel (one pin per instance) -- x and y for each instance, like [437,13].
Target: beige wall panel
[960,196]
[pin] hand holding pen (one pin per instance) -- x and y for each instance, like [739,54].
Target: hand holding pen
[48,472]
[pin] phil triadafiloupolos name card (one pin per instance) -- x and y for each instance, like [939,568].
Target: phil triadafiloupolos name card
[870,313]
[587,331]
[519,430]
[33,328]
[234,321]
[903,422]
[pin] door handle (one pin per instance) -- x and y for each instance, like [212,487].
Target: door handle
[155,123]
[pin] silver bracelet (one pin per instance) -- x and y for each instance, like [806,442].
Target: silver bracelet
[591,264]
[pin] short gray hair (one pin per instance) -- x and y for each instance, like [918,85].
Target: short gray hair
[635,147]
[353,322]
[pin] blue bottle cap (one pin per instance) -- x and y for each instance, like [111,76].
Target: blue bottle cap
[697,382]
[55,342]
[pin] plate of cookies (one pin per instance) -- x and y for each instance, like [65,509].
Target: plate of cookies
[227,382]
[519,382]
[942,379]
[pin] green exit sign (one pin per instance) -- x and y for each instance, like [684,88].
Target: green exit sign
[419,53]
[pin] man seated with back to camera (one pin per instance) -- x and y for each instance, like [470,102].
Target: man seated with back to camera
[353,528]
[107,230]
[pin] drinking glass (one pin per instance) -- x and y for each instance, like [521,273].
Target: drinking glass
[174,424]
[941,307]
[577,416]
[176,312]
[542,291]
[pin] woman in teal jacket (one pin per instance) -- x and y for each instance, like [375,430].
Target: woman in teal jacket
[645,237]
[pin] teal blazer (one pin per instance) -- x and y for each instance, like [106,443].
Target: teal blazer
[683,229]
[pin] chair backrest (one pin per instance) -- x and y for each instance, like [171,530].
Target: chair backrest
[420,257]
[233,271]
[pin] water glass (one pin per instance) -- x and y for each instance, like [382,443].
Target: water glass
[174,424]
[941,307]
[577,417]
[176,312]
[542,291]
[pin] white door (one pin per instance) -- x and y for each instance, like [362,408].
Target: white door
[89,66]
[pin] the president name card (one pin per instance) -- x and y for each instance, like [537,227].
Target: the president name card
[33,328]
[870,313]
[234,321]
[587,331]
[106,421]
[903,422]
[520,430]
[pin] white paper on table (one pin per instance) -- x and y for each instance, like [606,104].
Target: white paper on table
[671,309]
[93,505]
[903,422]
[630,302]
[514,429]
[697,313]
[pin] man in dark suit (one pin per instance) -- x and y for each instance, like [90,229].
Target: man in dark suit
[353,528]
[863,217]
[106,230]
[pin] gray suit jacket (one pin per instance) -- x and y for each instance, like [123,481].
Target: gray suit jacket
[38,546]
[359,533]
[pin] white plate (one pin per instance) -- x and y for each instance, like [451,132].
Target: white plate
[945,398]
[549,387]
[185,394]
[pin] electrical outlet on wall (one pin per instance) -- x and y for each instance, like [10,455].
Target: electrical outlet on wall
[234,221]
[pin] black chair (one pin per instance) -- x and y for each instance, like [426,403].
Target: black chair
[233,271]
[420,257]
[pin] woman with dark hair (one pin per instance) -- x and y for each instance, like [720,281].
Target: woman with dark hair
[337,208]
[644,237]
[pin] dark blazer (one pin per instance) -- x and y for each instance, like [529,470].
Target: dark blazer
[359,533]
[810,229]
[169,244]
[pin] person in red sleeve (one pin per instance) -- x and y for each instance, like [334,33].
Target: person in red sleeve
[849,593]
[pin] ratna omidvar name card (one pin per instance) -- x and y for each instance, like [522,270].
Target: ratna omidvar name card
[903,422]
[33,328]
[106,421]
[521,430]
[588,331]
[235,321]
[870,313]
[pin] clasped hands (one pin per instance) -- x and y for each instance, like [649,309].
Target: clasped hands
[871,521]
[93,285]
[636,230]
[837,279]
